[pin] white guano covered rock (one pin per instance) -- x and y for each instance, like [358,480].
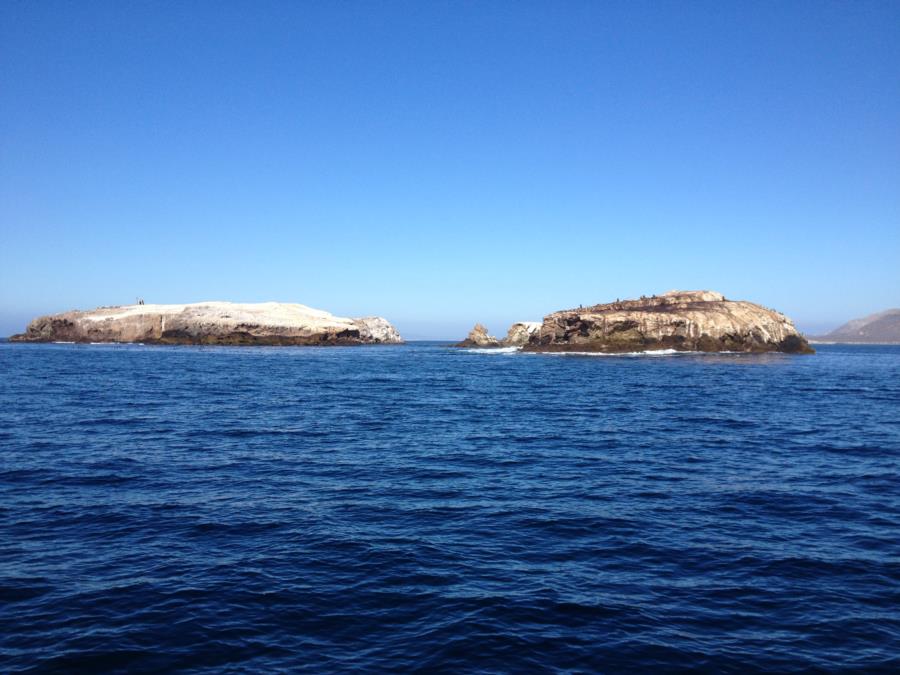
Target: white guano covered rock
[520,333]
[264,323]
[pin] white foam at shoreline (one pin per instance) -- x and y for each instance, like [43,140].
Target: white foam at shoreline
[494,350]
[652,352]
[649,352]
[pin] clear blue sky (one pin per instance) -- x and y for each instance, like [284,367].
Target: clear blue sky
[442,163]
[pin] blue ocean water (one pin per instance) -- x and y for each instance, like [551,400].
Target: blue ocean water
[421,508]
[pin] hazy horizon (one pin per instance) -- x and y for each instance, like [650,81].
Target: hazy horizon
[446,164]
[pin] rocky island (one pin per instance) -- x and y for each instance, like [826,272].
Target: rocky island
[210,323]
[702,321]
[517,335]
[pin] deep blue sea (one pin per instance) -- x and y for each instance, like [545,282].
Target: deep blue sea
[422,508]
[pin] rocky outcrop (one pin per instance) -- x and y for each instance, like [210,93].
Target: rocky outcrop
[374,329]
[881,328]
[221,323]
[682,320]
[520,333]
[517,335]
[478,337]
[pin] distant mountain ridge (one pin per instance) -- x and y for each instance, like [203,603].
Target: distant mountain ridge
[876,328]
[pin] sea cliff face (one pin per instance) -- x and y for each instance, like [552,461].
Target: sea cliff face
[683,320]
[224,323]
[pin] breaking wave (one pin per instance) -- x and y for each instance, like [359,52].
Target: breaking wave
[494,350]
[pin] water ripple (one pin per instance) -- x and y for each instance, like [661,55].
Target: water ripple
[426,509]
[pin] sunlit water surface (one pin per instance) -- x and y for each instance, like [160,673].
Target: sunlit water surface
[424,508]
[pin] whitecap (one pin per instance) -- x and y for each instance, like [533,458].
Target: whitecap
[649,352]
[494,350]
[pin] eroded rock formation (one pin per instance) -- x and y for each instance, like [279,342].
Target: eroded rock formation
[683,320]
[520,333]
[375,329]
[478,337]
[227,323]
